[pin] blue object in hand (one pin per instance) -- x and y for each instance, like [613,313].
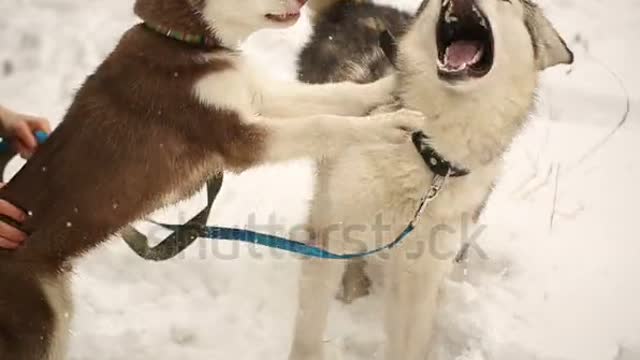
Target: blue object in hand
[5,147]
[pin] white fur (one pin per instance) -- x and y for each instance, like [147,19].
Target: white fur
[292,113]
[346,98]
[228,89]
[233,21]
[57,289]
[471,124]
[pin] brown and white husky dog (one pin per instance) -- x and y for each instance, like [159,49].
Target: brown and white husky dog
[471,66]
[173,105]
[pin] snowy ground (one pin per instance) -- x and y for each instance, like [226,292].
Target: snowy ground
[555,287]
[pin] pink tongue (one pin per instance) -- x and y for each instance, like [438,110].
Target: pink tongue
[462,53]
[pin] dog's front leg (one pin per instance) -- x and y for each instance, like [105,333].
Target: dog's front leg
[345,98]
[319,282]
[411,303]
[325,136]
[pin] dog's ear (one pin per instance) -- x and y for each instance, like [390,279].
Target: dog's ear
[423,6]
[549,46]
[389,46]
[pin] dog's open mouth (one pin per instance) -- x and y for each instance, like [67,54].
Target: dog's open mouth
[465,41]
[284,18]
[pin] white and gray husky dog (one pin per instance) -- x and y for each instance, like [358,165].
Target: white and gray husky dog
[471,66]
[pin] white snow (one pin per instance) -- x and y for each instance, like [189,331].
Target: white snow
[561,289]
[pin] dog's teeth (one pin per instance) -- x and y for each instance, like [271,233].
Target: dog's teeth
[449,17]
[483,22]
[478,13]
[445,67]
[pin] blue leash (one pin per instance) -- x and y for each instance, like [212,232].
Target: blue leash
[276,242]
[5,147]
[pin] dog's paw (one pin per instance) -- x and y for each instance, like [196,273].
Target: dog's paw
[382,91]
[397,127]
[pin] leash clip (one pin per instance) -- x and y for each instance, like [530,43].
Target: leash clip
[437,184]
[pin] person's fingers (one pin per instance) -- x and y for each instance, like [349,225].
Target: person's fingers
[10,237]
[24,152]
[12,234]
[24,141]
[10,210]
[9,245]
[24,134]
[37,123]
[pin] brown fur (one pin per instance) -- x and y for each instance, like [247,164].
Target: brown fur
[133,139]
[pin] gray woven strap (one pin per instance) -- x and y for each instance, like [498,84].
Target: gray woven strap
[181,239]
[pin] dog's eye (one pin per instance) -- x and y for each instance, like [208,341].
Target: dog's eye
[509,1]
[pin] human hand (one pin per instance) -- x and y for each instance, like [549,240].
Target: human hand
[18,130]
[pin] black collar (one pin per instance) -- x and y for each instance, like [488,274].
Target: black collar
[435,161]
